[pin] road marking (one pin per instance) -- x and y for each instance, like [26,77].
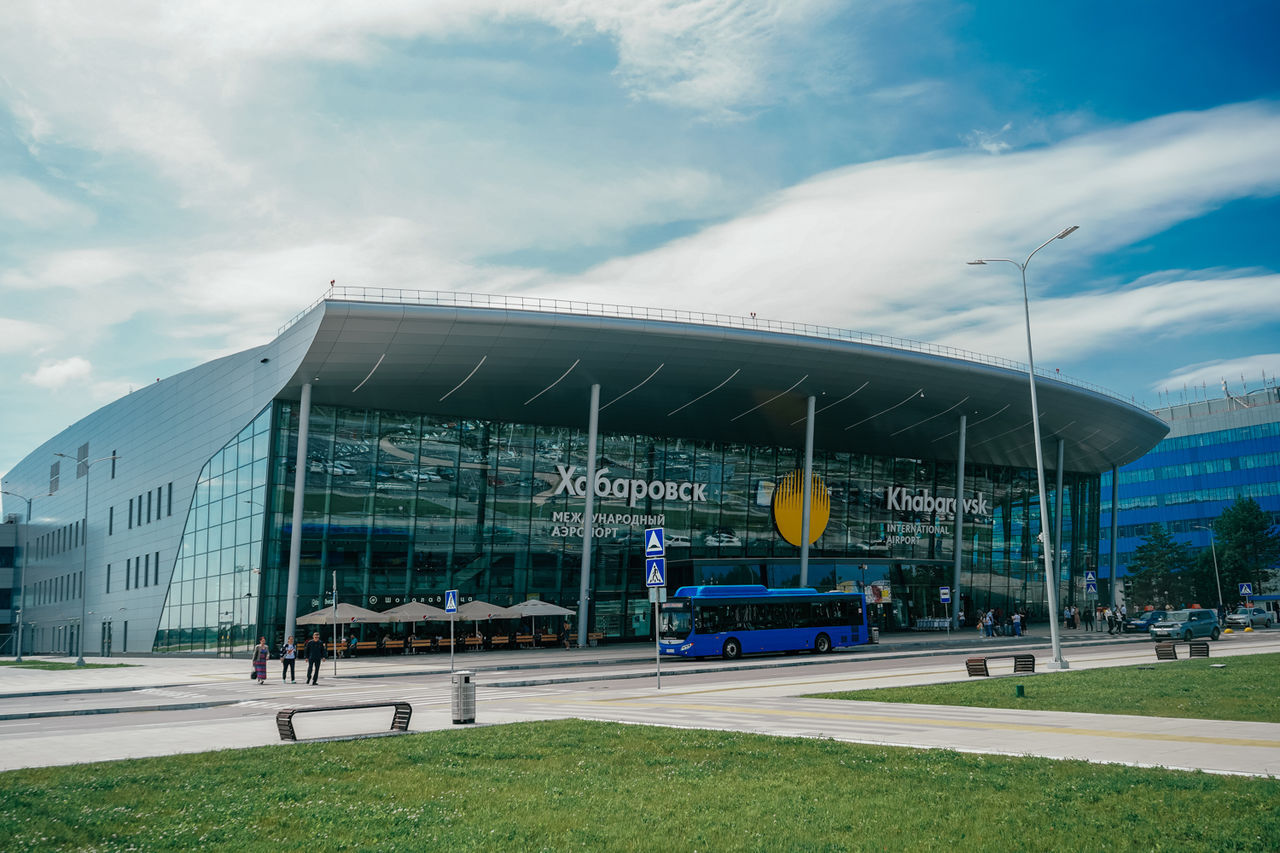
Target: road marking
[961,724]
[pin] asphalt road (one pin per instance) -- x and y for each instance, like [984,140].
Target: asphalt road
[210,705]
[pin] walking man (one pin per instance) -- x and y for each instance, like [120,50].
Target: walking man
[314,651]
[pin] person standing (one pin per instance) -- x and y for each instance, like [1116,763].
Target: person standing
[1017,623]
[1111,620]
[260,654]
[1088,618]
[288,660]
[314,652]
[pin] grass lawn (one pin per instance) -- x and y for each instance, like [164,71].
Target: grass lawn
[575,785]
[1245,689]
[30,663]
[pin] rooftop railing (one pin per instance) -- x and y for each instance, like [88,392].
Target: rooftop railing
[448,298]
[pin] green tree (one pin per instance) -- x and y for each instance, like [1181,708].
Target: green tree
[1157,566]
[1248,546]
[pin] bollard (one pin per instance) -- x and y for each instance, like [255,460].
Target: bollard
[1018,692]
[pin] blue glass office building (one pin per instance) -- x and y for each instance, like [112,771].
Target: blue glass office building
[1216,451]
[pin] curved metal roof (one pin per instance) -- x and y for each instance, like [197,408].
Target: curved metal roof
[695,381]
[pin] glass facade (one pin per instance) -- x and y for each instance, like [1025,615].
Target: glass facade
[401,507]
[213,598]
[1186,481]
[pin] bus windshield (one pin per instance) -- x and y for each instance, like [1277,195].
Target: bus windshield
[675,620]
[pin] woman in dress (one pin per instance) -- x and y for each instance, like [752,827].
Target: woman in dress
[260,661]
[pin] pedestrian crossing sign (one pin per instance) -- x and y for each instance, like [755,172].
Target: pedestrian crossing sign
[655,570]
[1246,589]
[451,601]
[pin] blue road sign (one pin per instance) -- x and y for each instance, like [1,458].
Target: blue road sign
[655,542]
[1090,577]
[1092,587]
[655,571]
[1246,589]
[451,601]
[945,594]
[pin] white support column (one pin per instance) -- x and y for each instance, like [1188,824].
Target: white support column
[299,493]
[807,499]
[1115,529]
[1057,515]
[588,516]
[957,538]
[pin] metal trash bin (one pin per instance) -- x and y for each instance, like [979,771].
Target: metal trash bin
[464,697]
[875,635]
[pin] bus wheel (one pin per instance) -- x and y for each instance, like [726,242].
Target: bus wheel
[732,649]
[822,645]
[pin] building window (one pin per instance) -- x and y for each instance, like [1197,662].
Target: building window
[130,513]
[128,566]
[53,478]
[108,577]
[137,569]
[114,454]
[157,569]
[82,460]
[148,507]
[139,510]
[169,510]
[146,571]
[111,520]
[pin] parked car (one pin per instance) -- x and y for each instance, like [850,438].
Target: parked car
[1185,625]
[1141,622]
[1249,617]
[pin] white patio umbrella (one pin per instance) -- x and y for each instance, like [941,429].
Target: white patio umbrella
[536,607]
[474,611]
[342,613]
[413,611]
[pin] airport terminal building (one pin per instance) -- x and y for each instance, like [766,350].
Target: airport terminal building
[396,444]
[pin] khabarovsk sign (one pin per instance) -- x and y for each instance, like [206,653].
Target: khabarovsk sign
[631,489]
[788,507]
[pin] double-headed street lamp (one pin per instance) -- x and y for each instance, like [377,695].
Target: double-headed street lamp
[1050,580]
[84,568]
[26,541]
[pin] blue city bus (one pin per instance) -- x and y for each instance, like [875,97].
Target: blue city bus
[730,621]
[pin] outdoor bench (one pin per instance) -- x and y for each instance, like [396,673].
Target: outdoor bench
[366,646]
[524,640]
[1196,648]
[1021,663]
[399,720]
[595,638]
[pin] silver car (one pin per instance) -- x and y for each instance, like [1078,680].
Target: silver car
[1249,617]
[1186,625]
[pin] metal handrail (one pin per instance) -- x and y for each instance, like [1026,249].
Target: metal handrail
[448,298]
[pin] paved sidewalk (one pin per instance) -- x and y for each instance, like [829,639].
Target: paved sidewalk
[107,689]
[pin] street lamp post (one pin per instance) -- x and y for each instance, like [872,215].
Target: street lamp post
[1050,580]
[22,577]
[1217,579]
[84,567]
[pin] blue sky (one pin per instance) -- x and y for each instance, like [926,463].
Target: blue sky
[181,179]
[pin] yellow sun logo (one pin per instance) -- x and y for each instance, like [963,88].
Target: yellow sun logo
[788,507]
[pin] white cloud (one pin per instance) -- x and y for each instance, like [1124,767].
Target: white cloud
[882,247]
[57,374]
[29,204]
[77,269]
[17,336]
[1238,374]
